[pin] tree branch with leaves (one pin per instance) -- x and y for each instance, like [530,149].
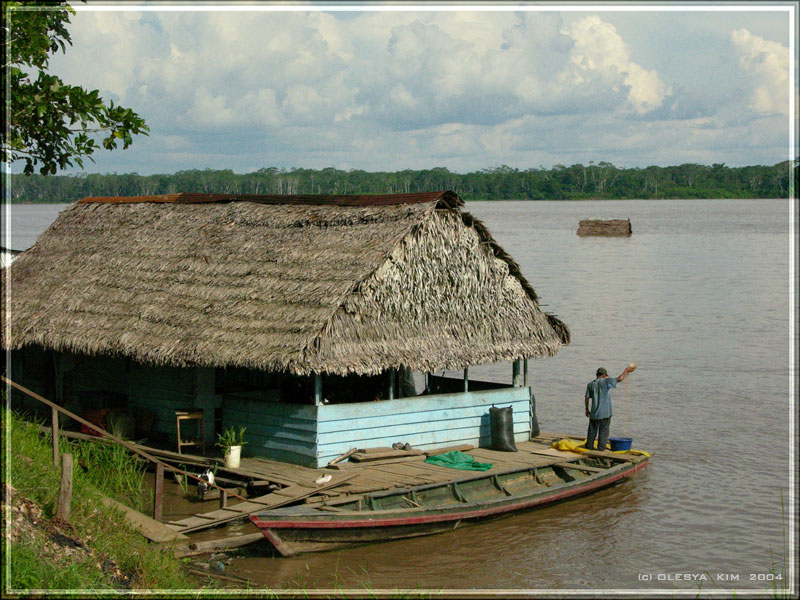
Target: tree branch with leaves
[51,124]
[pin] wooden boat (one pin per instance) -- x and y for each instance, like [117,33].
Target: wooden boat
[438,507]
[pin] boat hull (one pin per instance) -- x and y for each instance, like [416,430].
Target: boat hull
[432,508]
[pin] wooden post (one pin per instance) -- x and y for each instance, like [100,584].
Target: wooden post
[515,370]
[525,371]
[223,497]
[65,494]
[391,384]
[158,492]
[466,379]
[317,388]
[55,436]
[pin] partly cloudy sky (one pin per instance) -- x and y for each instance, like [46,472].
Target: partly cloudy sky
[461,87]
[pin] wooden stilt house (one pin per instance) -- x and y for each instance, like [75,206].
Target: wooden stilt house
[295,316]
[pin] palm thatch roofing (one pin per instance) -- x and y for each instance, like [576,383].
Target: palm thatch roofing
[329,284]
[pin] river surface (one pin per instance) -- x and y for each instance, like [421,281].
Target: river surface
[699,297]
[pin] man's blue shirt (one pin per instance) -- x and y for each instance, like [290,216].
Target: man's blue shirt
[598,391]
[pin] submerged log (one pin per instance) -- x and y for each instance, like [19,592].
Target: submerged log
[605,227]
[204,547]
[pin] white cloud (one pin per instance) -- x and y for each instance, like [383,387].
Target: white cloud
[443,70]
[388,90]
[406,70]
[767,63]
[211,109]
[602,58]
[104,44]
[259,107]
[501,138]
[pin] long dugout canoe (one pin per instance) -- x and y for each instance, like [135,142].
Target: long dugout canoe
[437,507]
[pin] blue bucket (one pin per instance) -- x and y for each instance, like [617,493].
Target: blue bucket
[620,443]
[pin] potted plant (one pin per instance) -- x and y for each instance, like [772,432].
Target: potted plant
[231,442]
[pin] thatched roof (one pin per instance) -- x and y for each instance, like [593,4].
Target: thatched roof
[336,284]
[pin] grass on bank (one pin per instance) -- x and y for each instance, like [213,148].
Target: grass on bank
[779,570]
[28,467]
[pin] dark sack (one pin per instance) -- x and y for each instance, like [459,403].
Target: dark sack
[502,421]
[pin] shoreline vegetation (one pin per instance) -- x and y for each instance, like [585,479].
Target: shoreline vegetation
[95,549]
[600,181]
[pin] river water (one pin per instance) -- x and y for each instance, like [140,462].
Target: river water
[699,297]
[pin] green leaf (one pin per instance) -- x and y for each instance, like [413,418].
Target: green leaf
[46,111]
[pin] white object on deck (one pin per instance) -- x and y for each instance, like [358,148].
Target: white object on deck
[233,457]
[8,256]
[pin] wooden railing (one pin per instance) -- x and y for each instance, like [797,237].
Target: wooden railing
[158,488]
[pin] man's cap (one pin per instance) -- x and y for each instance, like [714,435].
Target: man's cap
[601,371]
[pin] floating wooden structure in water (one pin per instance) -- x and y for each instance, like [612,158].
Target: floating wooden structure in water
[381,473]
[443,505]
[605,227]
[380,480]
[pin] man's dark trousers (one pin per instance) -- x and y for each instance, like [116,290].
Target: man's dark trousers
[598,428]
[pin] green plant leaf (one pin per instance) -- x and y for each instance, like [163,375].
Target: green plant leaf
[47,115]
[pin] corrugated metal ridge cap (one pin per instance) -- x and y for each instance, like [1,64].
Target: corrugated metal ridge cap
[448,199]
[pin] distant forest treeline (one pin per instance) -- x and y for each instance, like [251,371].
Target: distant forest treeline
[602,180]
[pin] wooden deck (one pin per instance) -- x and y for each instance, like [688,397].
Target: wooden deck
[353,479]
[379,476]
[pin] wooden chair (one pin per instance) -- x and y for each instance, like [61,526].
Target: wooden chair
[191,415]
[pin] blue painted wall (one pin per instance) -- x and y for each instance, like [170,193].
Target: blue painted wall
[275,430]
[425,422]
[313,435]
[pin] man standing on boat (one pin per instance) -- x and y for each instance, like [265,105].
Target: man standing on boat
[598,391]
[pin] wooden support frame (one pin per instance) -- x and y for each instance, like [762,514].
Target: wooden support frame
[158,492]
[515,373]
[56,453]
[65,491]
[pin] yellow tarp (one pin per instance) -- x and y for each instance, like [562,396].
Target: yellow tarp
[572,445]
